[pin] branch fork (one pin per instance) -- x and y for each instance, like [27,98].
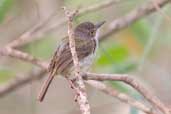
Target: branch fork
[91,78]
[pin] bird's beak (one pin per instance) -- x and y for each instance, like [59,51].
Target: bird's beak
[98,25]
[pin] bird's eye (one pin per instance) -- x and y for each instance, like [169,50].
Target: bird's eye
[92,32]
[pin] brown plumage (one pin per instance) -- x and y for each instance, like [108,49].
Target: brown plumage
[62,59]
[61,62]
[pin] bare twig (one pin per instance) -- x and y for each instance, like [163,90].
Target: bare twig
[132,82]
[132,17]
[118,24]
[7,51]
[99,6]
[155,2]
[121,96]
[20,81]
[36,31]
[115,26]
[31,33]
[79,84]
[83,11]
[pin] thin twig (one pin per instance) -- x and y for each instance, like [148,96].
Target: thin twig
[116,26]
[30,34]
[97,7]
[7,51]
[79,84]
[121,96]
[36,31]
[20,81]
[132,17]
[83,11]
[132,82]
[166,17]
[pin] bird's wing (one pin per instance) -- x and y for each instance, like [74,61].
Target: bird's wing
[62,58]
[55,61]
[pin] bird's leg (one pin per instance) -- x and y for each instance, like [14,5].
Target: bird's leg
[72,85]
[71,82]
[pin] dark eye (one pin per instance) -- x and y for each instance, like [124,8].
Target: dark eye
[92,32]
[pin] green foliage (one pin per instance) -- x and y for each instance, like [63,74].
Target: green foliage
[114,54]
[92,16]
[141,30]
[115,58]
[138,97]
[80,3]
[124,67]
[124,88]
[5,5]
[42,48]
[5,75]
[119,86]
[134,110]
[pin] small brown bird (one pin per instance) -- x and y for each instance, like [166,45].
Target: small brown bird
[62,64]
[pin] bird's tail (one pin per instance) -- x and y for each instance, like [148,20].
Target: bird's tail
[45,87]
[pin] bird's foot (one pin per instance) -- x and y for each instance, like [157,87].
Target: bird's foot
[72,86]
[72,83]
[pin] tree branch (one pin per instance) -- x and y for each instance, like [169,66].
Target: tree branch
[36,31]
[115,26]
[133,83]
[121,96]
[132,17]
[78,83]
[19,82]
[7,51]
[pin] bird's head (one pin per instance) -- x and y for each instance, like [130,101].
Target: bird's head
[87,29]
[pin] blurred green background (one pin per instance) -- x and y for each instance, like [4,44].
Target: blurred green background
[142,49]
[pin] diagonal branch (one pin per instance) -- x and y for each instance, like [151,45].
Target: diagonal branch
[36,31]
[7,51]
[116,25]
[19,82]
[155,2]
[121,96]
[133,83]
[132,17]
[97,7]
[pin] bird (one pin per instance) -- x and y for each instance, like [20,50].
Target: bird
[86,43]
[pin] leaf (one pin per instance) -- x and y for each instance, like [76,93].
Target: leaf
[116,53]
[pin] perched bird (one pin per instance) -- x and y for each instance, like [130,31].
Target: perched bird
[86,42]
